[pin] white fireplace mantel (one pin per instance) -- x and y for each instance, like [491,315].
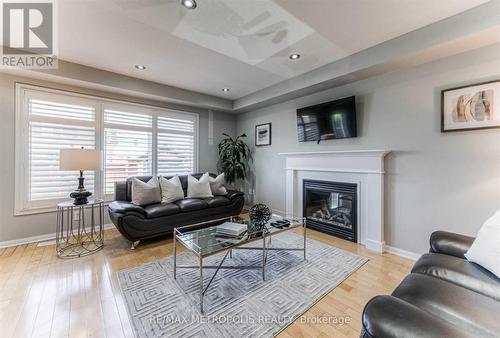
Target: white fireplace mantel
[365,168]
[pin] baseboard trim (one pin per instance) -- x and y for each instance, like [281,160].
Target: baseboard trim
[402,253]
[374,245]
[39,238]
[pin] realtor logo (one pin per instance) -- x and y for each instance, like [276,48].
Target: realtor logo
[28,34]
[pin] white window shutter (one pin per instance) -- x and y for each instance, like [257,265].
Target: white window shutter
[127,147]
[55,125]
[176,144]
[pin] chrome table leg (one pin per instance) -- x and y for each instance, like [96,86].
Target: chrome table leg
[264,258]
[304,226]
[175,257]
[201,282]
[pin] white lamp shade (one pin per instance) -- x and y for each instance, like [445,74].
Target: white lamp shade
[79,159]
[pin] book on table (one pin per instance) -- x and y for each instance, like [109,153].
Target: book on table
[231,229]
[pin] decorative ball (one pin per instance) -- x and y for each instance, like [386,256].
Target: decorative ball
[260,214]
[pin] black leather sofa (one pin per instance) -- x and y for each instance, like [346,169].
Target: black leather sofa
[444,296]
[137,223]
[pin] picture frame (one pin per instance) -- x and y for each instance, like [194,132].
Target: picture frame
[471,107]
[263,134]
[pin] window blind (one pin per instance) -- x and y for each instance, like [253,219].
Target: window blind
[128,148]
[54,126]
[61,110]
[176,145]
[175,154]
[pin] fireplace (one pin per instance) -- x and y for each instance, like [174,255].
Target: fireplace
[331,207]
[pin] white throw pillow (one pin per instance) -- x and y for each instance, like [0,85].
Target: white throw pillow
[485,250]
[145,193]
[171,190]
[199,188]
[217,185]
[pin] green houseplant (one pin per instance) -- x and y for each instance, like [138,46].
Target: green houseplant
[234,155]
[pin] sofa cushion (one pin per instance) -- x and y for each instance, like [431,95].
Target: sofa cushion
[391,317]
[171,189]
[217,201]
[451,303]
[123,207]
[232,194]
[459,271]
[199,188]
[217,185]
[485,250]
[161,209]
[190,204]
[146,193]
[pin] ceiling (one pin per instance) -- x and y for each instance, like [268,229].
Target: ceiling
[240,44]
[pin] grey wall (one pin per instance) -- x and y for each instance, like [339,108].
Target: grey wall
[434,180]
[11,227]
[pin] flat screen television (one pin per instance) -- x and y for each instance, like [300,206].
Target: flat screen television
[329,120]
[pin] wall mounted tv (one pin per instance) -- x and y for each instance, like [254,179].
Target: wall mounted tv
[329,120]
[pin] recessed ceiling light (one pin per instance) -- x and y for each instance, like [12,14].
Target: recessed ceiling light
[225,89]
[189,4]
[294,56]
[140,67]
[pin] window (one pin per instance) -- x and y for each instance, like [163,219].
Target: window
[175,143]
[134,139]
[128,145]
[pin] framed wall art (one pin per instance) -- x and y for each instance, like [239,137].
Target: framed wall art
[475,106]
[263,134]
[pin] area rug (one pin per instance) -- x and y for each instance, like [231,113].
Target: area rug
[238,303]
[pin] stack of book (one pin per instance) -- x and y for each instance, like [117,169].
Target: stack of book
[230,229]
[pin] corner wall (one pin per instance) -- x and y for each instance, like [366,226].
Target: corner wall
[434,180]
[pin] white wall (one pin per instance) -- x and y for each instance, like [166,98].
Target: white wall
[434,180]
[13,228]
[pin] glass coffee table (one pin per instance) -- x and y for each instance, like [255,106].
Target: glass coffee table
[206,241]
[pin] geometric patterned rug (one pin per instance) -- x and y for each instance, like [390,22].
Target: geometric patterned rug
[238,303]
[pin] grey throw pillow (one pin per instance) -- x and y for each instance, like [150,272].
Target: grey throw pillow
[145,193]
[217,185]
[199,188]
[171,190]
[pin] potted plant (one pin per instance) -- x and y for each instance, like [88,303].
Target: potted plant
[234,155]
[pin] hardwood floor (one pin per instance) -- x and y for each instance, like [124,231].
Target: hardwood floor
[43,296]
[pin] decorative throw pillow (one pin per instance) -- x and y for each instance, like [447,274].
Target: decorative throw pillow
[217,185]
[145,193]
[199,188]
[171,190]
[485,250]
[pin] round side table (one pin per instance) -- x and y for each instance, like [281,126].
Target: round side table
[79,228]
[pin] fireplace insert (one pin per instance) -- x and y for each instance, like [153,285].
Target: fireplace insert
[331,207]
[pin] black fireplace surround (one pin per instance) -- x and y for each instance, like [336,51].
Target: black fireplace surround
[331,207]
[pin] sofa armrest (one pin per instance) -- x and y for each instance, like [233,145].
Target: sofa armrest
[232,194]
[388,316]
[124,207]
[450,244]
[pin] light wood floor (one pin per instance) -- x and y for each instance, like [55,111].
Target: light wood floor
[43,296]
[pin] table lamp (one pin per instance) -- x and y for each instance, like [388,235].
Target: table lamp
[80,159]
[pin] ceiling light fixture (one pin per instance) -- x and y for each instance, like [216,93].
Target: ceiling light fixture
[225,89]
[294,56]
[140,67]
[189,4]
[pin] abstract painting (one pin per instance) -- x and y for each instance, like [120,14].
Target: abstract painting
[263,134]
[471,107]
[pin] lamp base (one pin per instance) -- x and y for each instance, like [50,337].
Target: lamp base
[80,197]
